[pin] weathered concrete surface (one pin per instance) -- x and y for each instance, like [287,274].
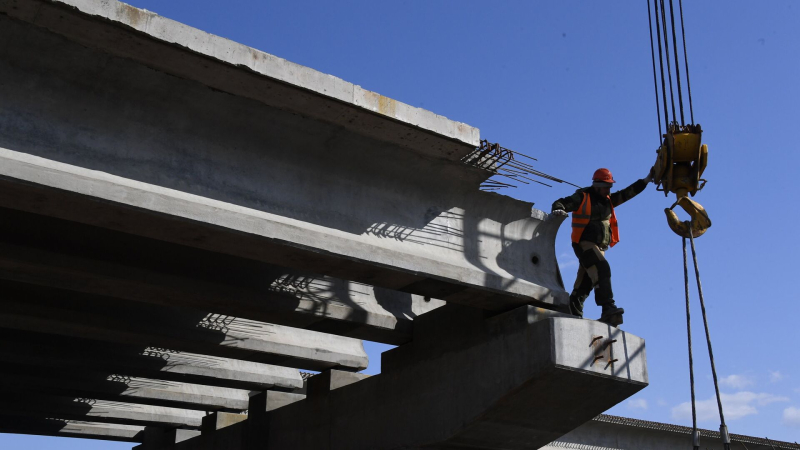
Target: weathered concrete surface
[225,65]
[219,420]
[35,309]
[69,354]
[70,428]
[264,402]
[107,141]
[488,267]
[68,255]
[36,405]
[603,434]
[123,388]
[518,380]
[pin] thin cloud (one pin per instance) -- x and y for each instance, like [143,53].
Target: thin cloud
[736,381]
[637,403]
[736,406]
[791,417]
[775,376]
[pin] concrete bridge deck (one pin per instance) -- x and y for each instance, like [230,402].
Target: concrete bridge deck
[185,222]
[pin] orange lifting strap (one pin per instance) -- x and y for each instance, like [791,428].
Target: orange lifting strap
[679,169]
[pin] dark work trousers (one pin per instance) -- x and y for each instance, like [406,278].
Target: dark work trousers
[593,273]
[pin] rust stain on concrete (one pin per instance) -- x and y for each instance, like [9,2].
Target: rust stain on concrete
[387,106]
[133,16]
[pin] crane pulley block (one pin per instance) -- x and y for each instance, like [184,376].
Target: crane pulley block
[679,167]
[681,161]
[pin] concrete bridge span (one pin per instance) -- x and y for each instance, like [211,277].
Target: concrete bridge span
[186,223]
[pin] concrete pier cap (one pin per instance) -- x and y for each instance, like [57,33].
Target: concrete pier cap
[468,380]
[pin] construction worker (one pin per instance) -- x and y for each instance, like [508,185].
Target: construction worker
[594,230]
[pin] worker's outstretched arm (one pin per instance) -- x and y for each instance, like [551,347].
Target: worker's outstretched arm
[569,204]
[622,196]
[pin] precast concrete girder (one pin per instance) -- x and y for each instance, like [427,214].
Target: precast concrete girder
[45,426]
[74,355]
[130,147]
[517,380]
[68,255]
[27,404]
[171,47]
[35,309]
[491,266]
[123,388]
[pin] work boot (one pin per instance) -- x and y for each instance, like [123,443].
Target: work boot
[612,315]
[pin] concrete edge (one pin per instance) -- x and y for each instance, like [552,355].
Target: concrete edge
[232,53]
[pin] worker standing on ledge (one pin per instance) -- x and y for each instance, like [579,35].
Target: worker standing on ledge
[594,230]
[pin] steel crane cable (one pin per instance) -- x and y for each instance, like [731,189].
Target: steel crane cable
[723,429]
[695,433]
[686,62]
[669,68]
[655,78]
[659,8]
[660,64]
[677,66]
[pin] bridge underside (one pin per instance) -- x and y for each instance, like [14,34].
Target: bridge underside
[186,224]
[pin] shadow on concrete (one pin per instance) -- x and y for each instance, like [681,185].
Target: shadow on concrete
[255,290]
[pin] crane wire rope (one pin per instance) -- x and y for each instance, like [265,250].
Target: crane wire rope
[695,433]
[669,68]
[655,78]
[677,65]
[659,8]
[723,429]
[685,62]
[661,67]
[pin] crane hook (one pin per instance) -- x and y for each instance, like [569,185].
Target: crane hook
[694,228]
[678,169]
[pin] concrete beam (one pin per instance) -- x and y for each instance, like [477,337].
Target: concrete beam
[68,255]
[44,426]
[610,432]
[123,388]
[369,210]
[64,313]
[28,404]
[219,420]
[476,274]
[67,354]
[143,36]
[264,402]
[517,380]
[324,382]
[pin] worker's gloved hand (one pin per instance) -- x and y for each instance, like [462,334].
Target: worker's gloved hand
[559,212]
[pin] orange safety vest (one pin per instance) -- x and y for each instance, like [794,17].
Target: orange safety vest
[583,215]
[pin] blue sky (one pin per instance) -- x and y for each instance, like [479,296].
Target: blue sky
[571,84]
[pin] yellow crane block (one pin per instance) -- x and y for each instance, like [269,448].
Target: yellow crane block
[679,168]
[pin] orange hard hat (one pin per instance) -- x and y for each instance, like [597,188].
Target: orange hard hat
[603,175]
